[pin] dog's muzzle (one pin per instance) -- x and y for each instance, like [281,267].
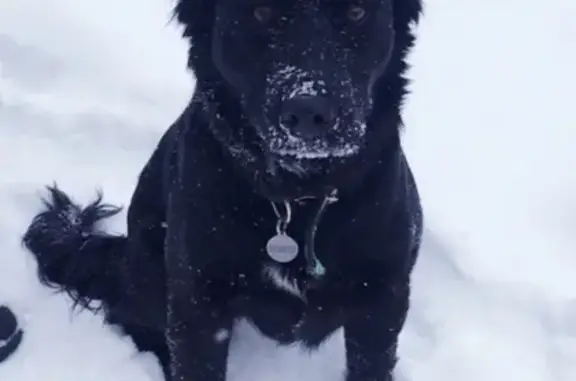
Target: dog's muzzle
[311,122]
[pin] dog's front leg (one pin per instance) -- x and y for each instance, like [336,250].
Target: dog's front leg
[371,335]
[198,327]
[198,336]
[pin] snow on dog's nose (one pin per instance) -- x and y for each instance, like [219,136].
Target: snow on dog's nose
[309,122]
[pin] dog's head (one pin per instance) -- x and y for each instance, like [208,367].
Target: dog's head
[315,84]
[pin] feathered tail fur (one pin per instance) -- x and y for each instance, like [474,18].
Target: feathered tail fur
[73,254]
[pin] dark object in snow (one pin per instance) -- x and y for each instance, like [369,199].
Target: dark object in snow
[294,100]
[10,333]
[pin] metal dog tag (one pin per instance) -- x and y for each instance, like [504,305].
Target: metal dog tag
[282,248]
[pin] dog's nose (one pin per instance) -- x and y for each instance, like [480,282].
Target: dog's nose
[308,116]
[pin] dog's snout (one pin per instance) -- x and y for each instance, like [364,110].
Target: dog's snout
[308,116]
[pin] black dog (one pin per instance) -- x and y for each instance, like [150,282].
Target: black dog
[293,130]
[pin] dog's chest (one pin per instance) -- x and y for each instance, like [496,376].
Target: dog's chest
[289,309]
[275,276]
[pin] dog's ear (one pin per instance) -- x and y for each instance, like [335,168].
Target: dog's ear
[392,88]
[407,13]
[197,18]
[406,16]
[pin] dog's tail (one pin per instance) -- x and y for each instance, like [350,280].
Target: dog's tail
[73,255]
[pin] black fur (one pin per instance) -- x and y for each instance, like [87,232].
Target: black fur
[10,333]
[67,228]
[193,259]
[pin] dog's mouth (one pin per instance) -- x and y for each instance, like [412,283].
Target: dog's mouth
[282,143]
[313,156]
[318,152]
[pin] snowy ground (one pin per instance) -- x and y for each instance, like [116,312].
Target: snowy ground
[88,87]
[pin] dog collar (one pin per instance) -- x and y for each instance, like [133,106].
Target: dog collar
[283,248]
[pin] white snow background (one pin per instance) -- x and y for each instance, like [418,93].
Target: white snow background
[88,87]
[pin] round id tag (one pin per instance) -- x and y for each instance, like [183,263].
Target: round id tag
[282,248]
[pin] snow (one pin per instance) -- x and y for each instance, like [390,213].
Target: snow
[490,134]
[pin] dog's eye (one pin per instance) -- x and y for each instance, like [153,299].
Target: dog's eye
[356,13]
[263,14]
